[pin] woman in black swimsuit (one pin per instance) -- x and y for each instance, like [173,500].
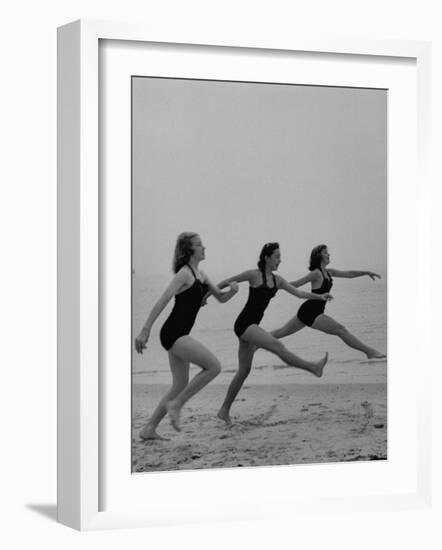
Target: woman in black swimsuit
[189,286]
[263,287]
[311,313]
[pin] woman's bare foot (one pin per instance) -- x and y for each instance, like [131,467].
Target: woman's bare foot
[320,366]
[174,414]
[374,354]
[148,434]
[224,415]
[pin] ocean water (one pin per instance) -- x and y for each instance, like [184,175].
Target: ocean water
[359,304]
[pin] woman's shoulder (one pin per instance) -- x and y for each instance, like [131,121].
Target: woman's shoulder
[279,280]
[254,276]
[254,272]
[316,273]
[184,272]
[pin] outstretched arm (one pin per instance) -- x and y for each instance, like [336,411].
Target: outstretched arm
[180,279]
[352,274]
[303,280]
[240,278]
[216,291]
[282,283]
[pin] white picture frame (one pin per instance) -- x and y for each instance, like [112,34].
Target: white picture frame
[79,475]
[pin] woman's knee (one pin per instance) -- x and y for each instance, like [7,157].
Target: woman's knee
[340,330]
[244,369]
[176,388]
[214,366]
[245,357]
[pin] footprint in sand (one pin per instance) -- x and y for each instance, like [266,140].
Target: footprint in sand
[280,423]
[259,420]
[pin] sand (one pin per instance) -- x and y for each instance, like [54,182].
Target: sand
[272,425]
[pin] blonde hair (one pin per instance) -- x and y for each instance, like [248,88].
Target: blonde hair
[183,250]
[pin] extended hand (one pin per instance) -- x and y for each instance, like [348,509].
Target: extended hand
[373,276]
[141,341]
[234,287]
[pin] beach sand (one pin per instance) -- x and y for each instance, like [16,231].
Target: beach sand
[272,425]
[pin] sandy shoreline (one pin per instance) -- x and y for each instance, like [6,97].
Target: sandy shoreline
[273,425]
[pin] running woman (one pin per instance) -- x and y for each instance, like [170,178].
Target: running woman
[188,286]
[311,313]
[263,286]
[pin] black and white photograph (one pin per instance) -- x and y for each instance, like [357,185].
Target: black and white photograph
[220,278]
[259,274]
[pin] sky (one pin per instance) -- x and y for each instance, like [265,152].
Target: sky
[242,164]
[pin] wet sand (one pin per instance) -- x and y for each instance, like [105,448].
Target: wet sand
[272,425]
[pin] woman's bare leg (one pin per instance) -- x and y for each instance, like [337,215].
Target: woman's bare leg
[190,350]
[292,326]
[328,325]
[180,378]
[245,358]
[260,338]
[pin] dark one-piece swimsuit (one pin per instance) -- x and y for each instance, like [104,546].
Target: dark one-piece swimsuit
[253,312]
[184,312]
[310,309]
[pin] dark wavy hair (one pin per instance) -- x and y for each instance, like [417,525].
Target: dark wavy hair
[183,250]
[316,257]
[267,250]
